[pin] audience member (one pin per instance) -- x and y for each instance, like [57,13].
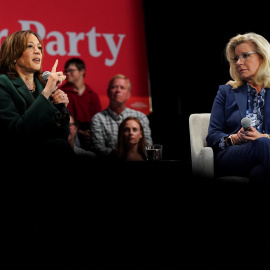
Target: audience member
[84,102]
[72,137]
[238,150]
[33,131]
[104,125]
[131,140]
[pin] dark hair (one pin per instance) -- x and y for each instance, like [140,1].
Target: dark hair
[121,146]
[74,119]
[12,49]
[79,63]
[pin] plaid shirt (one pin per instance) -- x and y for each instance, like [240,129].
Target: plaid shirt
[104,129]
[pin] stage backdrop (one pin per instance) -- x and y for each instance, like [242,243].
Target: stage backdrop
[108,35]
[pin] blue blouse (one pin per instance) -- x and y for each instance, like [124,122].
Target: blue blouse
[255,108]
[254,111]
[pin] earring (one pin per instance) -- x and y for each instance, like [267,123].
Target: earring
[14,62]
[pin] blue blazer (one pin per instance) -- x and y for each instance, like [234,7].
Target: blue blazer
[228,109]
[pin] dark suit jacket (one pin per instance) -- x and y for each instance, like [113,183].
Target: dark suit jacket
[25,119]
[228,109]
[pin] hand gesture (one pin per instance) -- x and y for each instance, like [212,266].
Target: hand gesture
[55,79]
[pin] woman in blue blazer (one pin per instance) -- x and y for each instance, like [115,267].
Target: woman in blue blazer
[33,130]
[240,150]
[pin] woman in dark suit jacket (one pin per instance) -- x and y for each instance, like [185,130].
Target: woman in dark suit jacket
[32,129]
[239,151]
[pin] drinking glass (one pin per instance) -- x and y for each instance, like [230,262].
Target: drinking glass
[154,152]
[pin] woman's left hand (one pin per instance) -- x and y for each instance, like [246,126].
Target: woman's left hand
[250,135]
[60,96]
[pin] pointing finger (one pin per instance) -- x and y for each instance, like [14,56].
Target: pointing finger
[55,66]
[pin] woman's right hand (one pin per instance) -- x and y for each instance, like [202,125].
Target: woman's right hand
[241,136]
[238,138]
[55,79]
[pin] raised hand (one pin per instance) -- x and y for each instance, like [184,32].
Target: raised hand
[54,80]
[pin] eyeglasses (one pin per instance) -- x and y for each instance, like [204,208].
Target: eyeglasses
[242,56]
[70,70]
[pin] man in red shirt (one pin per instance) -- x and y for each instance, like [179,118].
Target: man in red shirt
[83,101]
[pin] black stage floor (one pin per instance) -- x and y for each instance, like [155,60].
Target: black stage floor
[132,216]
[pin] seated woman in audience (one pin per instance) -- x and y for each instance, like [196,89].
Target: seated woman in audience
[104,125]
[131,140]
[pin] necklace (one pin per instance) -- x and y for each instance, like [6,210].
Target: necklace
[34,88]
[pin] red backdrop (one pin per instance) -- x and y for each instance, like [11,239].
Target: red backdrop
[108,35]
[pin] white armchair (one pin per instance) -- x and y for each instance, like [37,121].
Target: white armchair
[202,156]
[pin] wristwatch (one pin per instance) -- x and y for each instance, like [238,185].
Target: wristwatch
[229,140]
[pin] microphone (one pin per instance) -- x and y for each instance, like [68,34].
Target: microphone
[246,123]
[61,106]
[45,75]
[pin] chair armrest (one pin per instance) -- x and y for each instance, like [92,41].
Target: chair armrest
[203,164]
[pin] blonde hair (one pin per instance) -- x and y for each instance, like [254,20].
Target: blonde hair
[261,46]
[119,76]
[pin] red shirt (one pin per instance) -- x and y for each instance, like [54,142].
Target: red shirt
[82,107]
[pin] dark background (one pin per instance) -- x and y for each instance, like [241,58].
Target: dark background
[149,215]
[185,46]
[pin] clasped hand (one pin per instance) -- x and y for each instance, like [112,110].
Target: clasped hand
[243,136]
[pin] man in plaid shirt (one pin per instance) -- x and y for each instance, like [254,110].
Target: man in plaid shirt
[104,125]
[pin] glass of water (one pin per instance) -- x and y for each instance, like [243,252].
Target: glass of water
[154,152]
